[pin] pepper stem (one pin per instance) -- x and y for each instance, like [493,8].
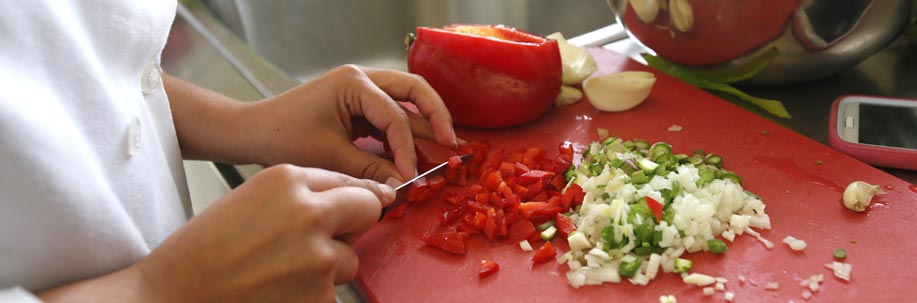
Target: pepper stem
[408,40]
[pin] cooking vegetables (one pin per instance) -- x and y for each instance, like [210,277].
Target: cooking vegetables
[645,206]
[619,91]
[488,75]
[858,195]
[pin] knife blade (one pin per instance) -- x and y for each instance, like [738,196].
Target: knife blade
[401,189]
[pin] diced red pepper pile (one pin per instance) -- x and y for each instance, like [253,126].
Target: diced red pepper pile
[502,195]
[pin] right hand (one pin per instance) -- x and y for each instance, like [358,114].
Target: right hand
[283,236]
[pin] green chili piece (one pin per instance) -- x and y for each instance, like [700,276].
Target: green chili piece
[716,246]
[840,253]
[714,160]
[629,269]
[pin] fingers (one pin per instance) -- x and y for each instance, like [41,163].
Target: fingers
[356,162]
[320,180]
[407,87]
[385,114]
[347,262]
[348,210]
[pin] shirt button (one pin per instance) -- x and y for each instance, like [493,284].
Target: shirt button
[149,80]
[133,137]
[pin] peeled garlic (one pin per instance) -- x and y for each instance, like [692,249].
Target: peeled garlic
[682,15]
[619,91]
[646,10]
[568,95]
[858,195]
[577,62]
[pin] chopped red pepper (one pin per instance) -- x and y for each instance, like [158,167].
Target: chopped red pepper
[564,225]
[655,207]
[544,253]
[520,230]
[488,268]
[508,194]
[449,241]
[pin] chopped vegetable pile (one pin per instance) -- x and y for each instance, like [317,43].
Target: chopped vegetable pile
[504,195]
[645,206]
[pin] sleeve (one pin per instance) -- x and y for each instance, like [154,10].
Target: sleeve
[17,295]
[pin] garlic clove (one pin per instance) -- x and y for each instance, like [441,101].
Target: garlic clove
[859,194]
[646,10]
[682,15]
[577,62]
[568,95]
[619,91]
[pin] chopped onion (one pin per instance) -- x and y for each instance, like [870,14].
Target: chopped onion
[708,291]
[841,270]
[675,128]
[524,244]
[698,279]
[795,244]
[806,295]
[772,286]
[729,296]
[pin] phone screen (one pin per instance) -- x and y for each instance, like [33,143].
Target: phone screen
[894,126]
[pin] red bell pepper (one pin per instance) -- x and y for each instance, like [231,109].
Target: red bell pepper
[488,268]
[564,225]
[544,253]
[488,76]
[449,241]
[655,207]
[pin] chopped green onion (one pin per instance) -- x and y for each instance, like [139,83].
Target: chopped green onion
[840,253]
[682,265]
[716,246]
[548,233]
[546,225]
[714,160]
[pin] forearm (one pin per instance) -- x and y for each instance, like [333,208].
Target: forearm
[126,285]
[209,125]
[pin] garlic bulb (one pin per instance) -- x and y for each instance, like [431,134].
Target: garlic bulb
[858,195]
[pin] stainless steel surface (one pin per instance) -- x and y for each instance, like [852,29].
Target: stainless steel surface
[198,51]
[830,36]
[307,38]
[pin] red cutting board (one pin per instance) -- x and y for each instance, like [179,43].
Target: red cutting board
[802,197]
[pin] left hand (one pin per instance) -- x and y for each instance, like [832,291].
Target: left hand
[315,124]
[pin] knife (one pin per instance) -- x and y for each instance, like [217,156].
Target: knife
[401,189]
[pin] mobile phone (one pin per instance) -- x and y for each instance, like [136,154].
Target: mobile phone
[877,130]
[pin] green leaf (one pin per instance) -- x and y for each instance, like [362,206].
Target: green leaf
[733,74]
[684,74]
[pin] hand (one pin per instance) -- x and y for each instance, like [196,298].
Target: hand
[314,124]
[283,236]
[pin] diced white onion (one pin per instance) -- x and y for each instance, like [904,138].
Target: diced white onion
[524,244]
[698,279]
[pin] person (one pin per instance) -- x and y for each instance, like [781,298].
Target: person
[95,207]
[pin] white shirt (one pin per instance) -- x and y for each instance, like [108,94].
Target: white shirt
[75,200]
